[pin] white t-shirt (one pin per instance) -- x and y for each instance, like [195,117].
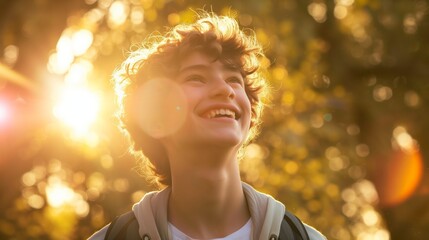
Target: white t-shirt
[241,234]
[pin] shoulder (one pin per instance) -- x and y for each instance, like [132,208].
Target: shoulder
[100,234]
[313,233]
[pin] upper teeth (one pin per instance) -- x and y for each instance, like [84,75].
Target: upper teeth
[225,112]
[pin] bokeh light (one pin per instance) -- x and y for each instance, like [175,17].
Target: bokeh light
[318,11]
[10,54]
[52,186]
[59,62]
[59,194]
[81,41]
[118,13]
[404,139]
[382,93]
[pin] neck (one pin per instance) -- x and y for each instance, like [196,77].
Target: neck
[207,200]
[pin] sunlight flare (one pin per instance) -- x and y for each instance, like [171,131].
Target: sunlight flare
[400,172]
[77,108]
[4,113]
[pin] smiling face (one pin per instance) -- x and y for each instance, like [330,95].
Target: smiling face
[219,111]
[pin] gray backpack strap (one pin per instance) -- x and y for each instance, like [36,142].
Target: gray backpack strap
[123,227]
[292,228]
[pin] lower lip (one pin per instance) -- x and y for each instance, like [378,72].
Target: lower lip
[221,119]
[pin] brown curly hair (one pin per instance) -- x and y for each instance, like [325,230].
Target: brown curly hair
[160,56]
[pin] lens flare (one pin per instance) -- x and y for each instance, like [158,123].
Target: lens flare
[399,174]
[4,113]
[160,106]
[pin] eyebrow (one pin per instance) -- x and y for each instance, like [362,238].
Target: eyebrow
[193,67]
[204,67]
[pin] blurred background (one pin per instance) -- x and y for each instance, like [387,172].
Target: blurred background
[345,143]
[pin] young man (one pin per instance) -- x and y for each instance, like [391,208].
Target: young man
[189,103]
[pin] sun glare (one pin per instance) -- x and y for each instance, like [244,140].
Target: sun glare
[59,62]
[4,113]
[77,108]
[78,72]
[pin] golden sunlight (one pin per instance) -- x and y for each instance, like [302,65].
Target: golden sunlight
[77,108]
[78,72]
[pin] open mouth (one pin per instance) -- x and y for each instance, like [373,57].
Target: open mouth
[221,113]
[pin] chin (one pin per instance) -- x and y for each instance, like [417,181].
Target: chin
[224,141]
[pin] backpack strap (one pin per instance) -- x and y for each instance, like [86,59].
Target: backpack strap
[124,226]
[292,228]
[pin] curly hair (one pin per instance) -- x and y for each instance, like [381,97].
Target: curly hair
[160,56]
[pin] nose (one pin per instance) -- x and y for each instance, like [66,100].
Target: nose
[221,88]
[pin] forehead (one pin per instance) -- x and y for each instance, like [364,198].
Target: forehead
[197,59]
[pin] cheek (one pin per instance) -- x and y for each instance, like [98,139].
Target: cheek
[191,99]
[246,107]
